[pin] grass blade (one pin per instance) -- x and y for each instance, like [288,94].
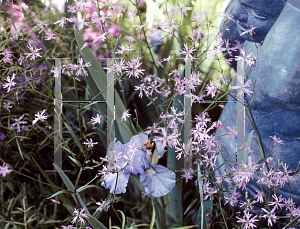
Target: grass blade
[153,219]
[75,138]
[123,219]
[203,216]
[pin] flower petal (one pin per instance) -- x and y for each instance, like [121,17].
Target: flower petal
[158,181]
[110,182]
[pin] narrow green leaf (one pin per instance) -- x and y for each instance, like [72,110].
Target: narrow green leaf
[203,216]
[96,224]
[75,138]
[186,227]
[153,219]
[59,192]
[70,186]
[17,223]
[123,218]
[65,178]
[76,161]
[43,222]
[87,167]
[19,149]
[191,205]
[260,161]
[86,187]
[90,104]
[249,139]
[141,208]
[259,147]
[160,218]
[141,225]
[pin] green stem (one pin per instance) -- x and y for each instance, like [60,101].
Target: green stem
[223,214]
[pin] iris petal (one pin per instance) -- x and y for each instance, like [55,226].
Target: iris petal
[159,183]
[110,182]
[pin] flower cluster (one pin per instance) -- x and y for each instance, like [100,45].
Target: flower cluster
[132,68]
[243,175]
[148,85]
[73,67]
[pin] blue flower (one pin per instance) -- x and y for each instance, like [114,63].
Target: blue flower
[110,182]
[134,162]
[134,158]
[158,180]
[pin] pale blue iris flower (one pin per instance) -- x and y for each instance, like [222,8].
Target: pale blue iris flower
[131,158]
